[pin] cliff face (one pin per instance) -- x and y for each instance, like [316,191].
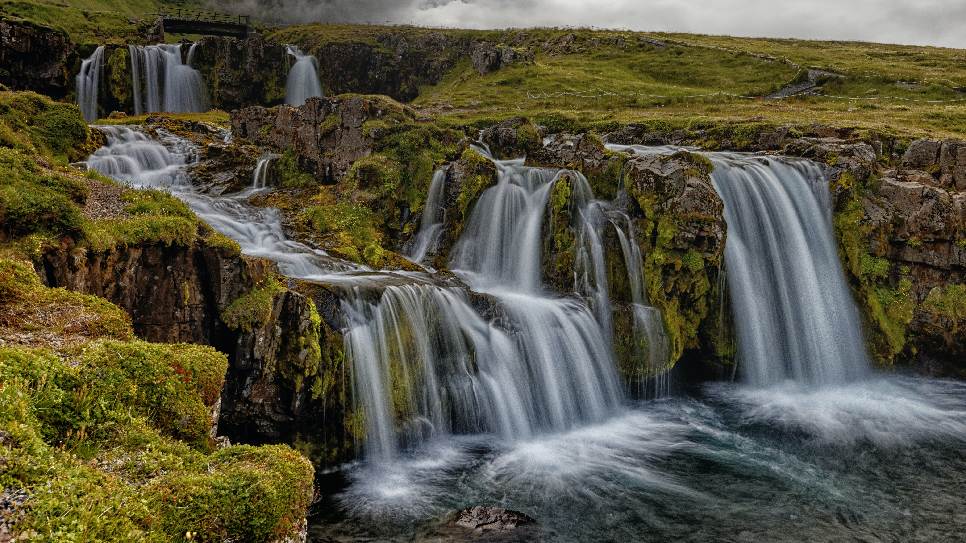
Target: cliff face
[37,58]
[285,381]
[241,73]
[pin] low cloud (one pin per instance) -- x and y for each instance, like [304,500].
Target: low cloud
[925,22]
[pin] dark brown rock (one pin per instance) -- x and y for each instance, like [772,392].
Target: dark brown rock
[245,72]
[35,57]
[487,57]
[491,519]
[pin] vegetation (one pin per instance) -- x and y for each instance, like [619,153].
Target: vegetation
[110,438]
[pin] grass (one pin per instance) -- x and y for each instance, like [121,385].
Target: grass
[92,22]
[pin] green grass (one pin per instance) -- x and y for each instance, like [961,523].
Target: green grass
[92,22]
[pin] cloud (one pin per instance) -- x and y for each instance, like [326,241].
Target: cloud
[926,22]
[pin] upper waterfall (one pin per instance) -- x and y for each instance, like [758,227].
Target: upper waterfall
[795,317]
[303,78]
[88,83]
[163,82]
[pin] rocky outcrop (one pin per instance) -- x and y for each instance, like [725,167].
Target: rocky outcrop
[491,519]
[945,161]
[286,380]
[240,73]
[487,57]
[35,57]
[326,134]
[512,138]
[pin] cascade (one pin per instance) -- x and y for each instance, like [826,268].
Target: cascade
[260,175]
[163,82]
[88,80]
[431,222]
[795,318]
[303,78]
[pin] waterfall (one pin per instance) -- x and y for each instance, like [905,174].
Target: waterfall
[794,314]
[303,78]
[431,223]
[163,82]
[260,175]
[137,160]
[88,81]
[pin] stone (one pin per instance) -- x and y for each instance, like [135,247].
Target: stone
[35,57]
[952,164]
[491,519]
[487,57]
[921,154]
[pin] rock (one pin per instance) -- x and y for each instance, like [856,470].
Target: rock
[491,519]
[327,135]
[512,138]
[921,154]
[35,57]
[952,164]
[245,72]
[487,57]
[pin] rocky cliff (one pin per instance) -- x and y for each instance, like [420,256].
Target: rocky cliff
[35,57]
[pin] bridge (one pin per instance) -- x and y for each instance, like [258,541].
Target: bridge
[208,23]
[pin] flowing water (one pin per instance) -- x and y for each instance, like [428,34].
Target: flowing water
[162,81]
[88,82]
[303,78]
[494,390]
[431,223]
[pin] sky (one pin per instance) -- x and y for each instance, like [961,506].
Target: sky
[920,22]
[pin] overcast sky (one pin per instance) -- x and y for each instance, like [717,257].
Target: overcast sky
[928,22]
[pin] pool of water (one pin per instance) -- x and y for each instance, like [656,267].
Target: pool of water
[880,460]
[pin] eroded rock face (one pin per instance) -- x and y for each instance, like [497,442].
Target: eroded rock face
[37,58]
[945,161]
[326,134]
[240,73]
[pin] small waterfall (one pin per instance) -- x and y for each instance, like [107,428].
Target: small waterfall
[303,78]
[260,175]
[163,82]
[135,159]
[88,81]
[431,223]
[794,314]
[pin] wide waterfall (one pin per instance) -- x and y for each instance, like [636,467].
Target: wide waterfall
[88,83]
[795,317]
[488,388]
[303,78]
[163,82]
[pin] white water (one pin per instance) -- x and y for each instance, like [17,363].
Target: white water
[431,223]
[88,83]
[820,463]
[303,78]
[163,82]
[261,173]
[139,161]
[795,317]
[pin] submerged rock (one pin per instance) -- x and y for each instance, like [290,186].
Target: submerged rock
[482,519]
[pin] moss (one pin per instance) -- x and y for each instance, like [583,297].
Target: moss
[154,217]
[35,200]
[948,301]
[289,174]
[254,308]
[119,78]
[219,241]
[79,438]
[479,174]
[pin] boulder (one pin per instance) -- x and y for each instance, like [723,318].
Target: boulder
[491,519]
[487,57]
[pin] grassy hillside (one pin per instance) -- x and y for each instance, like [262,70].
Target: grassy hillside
[91,21]
[603,77]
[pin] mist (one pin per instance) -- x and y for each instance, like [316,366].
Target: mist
[927,22]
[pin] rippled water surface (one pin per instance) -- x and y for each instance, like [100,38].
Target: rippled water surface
[881,460]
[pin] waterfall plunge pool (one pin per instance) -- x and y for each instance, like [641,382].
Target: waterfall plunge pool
[879,460]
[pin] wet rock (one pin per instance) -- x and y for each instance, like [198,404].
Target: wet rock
[491,519]
[35,57]
[512,138]
[242,72]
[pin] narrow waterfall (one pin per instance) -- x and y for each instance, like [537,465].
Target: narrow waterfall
[88,83]
[260,175]
[795,317]
[163,82]
[303,78]
[431,222]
